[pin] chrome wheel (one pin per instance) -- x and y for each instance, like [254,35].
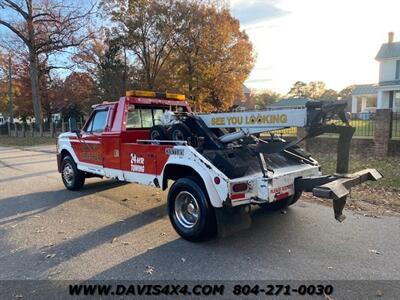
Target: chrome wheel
[187,210]
[68,174]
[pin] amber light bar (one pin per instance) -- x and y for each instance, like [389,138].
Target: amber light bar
[158,95]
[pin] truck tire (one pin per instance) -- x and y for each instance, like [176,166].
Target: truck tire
[159,133]
[190,210]
[72,178]
[180,132]
[280,204]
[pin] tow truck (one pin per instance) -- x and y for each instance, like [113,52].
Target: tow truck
[220,163]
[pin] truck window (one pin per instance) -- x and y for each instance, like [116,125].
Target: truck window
[98,122]
[147,117]
[144,117]
[134,119]
[157,114]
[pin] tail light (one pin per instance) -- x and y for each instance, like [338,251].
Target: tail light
[239,187]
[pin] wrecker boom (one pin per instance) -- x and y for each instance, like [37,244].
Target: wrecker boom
[313,117]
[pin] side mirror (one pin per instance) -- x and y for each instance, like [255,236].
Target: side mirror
[73,127]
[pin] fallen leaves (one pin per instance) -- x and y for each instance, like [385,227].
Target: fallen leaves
[149,270]
[374,251]
[39,230]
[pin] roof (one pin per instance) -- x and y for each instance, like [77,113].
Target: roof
[290,102]
[388,51]
[246,90]
[365,89]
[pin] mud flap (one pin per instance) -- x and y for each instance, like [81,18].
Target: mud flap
[232,219]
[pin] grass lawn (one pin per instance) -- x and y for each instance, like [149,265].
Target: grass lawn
[378,197]
[25,141]
[388,166]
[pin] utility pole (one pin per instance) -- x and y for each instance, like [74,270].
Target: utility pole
[10,92]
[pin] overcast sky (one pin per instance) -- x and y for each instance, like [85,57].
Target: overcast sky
[335,41]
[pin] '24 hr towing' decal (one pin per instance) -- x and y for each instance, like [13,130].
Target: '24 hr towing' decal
[137,163]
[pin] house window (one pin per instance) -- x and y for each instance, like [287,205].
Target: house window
[398,69]
[397,101]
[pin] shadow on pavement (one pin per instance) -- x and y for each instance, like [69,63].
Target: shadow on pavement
[243,254]
[6,165]
[26,155]
[28,175]
[34,203]
[31,263]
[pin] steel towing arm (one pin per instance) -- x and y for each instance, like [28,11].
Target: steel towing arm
[337,187]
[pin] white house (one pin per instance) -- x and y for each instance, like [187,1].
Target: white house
[385,94]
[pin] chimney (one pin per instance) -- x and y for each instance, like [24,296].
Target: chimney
[390,37]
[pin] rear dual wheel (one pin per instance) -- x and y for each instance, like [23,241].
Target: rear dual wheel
[190,210]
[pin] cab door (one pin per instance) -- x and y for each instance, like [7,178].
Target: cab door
[89,147]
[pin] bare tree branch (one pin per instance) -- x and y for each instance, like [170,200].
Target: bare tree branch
[17,8]
[17,32]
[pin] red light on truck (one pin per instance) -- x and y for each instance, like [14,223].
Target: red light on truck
[238,196]
[217,180]
[281,196]
[239,187]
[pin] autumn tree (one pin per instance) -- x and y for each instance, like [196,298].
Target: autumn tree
[112,71]
[266,98]
[228,60]
[346,93]
[193,46]
[44,27]
[4,97]
[313,90]
[299,90]
[77,95]
[147,25]
[329,95]
[214,55]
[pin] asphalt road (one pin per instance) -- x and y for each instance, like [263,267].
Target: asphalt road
[111,230]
